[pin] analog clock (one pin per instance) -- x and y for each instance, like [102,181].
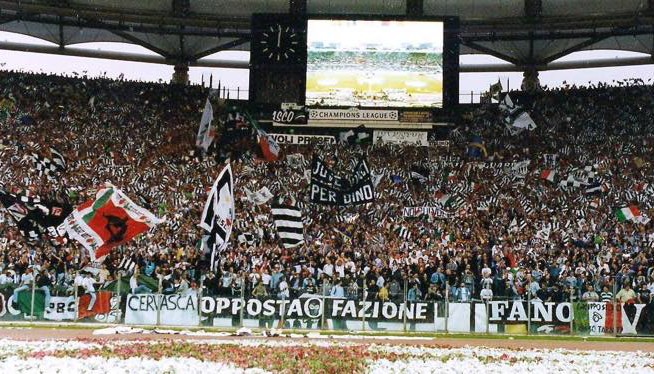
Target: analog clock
[279,43]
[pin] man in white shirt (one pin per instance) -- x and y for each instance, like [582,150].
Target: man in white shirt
[328,268]
[266,278]
[77,283]
[486,294]
[284,292]
[89,288]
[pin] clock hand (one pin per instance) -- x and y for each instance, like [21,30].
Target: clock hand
[279,36]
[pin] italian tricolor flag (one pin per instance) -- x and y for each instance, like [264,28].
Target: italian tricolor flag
[269,147]
[548,174]
[630,213]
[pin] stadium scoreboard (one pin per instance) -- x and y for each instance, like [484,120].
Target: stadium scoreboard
[388,69]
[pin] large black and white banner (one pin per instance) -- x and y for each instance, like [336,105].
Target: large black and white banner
[312,307]
[218,214]
[328,188]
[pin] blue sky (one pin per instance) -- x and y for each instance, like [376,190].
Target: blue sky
[233,78]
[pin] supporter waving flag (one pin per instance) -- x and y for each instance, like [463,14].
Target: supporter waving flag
[107,221]
[218,214]
[205,132]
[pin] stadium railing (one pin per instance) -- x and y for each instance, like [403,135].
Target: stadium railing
[324,310]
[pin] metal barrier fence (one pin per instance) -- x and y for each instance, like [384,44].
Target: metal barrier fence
[364,310]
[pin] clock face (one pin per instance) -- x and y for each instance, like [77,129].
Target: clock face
[279,43]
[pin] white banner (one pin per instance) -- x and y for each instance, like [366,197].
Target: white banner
[353,114]
[61,308]
[597,318]
[259,197]
[401,137]
[430,211]
[302,139]
[174,310]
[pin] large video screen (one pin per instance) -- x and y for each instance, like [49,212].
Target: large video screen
[374,63]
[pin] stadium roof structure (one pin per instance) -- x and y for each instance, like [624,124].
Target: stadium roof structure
[525,33]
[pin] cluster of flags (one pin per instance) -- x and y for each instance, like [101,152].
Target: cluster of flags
[111,218]
[207,131]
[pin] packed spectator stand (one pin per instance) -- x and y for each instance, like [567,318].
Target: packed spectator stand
[504,231]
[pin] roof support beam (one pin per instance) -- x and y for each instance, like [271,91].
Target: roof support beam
[62,42]
[140,42]
[222,47]
[558,35]
[564,65]
[7,19]
[110,55]
[574,48]
[93,23]
[491,52]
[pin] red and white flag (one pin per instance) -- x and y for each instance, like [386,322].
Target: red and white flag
[107,221]
[269,147]
[548,174]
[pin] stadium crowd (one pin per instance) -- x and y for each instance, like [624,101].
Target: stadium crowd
[499,228]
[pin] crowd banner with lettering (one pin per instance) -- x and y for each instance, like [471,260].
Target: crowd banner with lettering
[609,318]
[290,115]
[401,137]
[302,139]
[429,211]
[515,316]
[174,310]
[440,143]
[354,114]
[307,312]
[327,188]
[61,309]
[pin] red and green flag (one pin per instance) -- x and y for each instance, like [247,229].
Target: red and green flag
[109,220]
[629,213]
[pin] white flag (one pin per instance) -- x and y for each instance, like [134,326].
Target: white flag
[259,197]
[205,132]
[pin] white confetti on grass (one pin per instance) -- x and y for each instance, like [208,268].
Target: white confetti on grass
[416,359]
[100,365]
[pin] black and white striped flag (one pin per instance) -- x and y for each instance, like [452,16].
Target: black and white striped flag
[288,220]
[127,264]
